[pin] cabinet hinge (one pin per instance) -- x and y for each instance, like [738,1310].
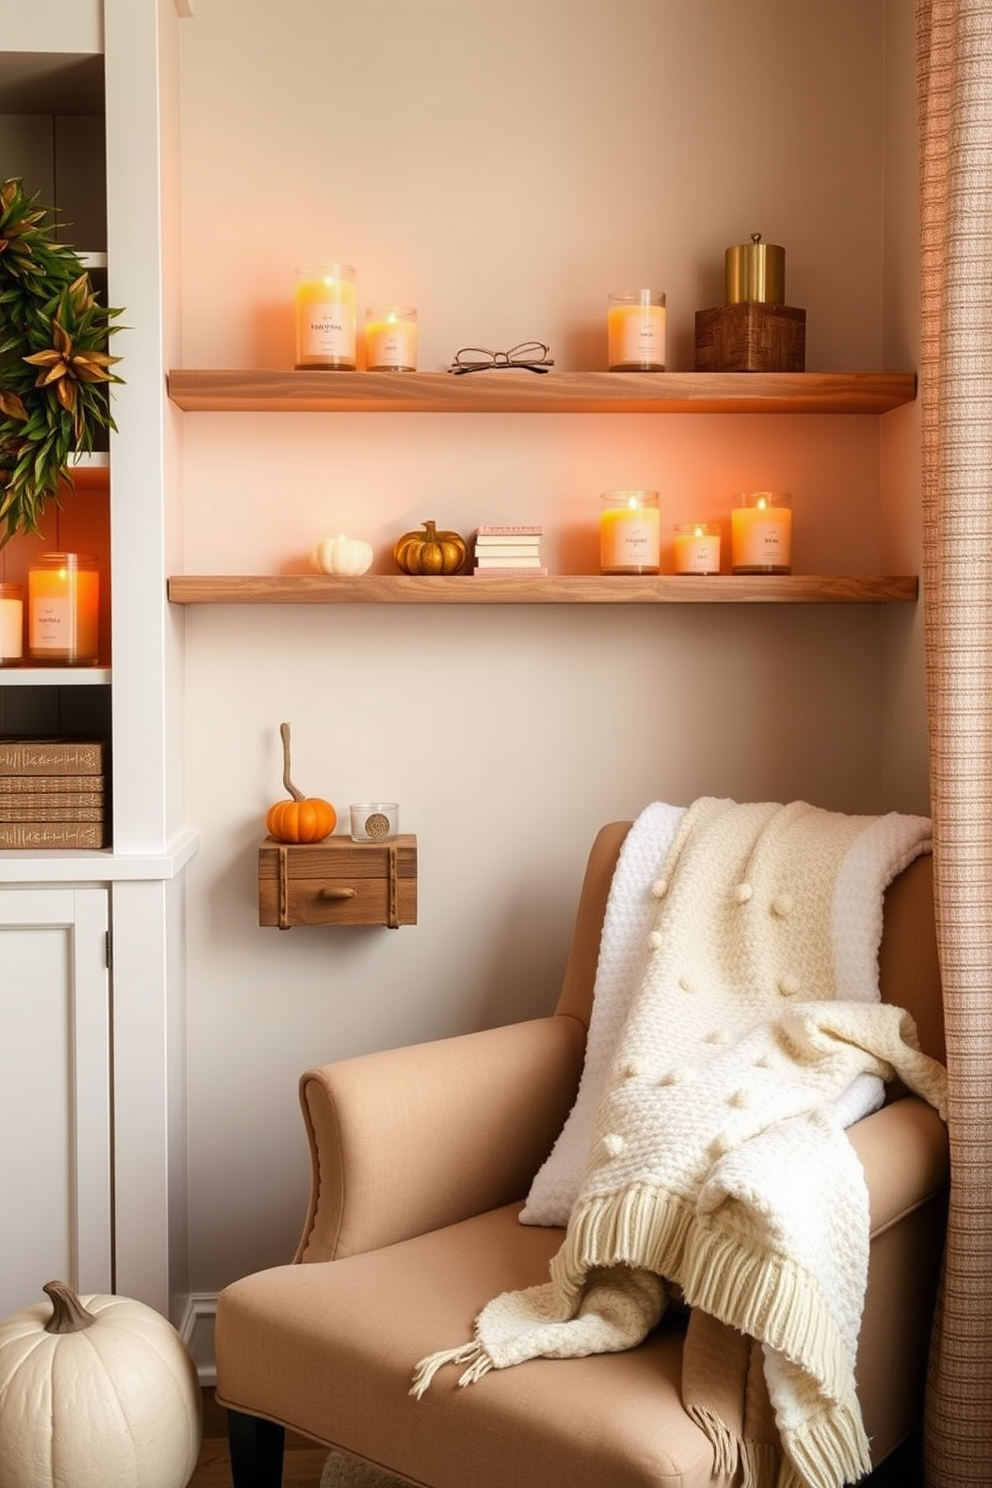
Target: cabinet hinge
[109,950]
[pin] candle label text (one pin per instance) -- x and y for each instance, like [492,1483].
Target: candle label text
[637,337]
[52,624]
[328,330]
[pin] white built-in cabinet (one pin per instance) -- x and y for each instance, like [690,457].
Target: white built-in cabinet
[92,1057]
[55,1090]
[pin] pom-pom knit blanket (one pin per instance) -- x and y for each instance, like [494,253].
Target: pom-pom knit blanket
[719,1173]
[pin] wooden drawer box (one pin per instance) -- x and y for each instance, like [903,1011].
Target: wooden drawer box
[751,337]
[338,882]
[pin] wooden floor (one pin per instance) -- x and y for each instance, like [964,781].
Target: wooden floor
[303,1465]
[305,1462]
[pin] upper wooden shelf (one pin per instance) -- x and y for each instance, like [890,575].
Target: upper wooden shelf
[553,589]
[527,392]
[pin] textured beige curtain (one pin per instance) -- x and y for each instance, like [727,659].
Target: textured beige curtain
[954,53]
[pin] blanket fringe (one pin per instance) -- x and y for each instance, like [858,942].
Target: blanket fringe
[640,1227]
[472,1354]
[828,1451]
[772,1298]
[763,1465]
[726,1444]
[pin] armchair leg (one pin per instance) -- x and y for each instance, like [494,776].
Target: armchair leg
[256,1448]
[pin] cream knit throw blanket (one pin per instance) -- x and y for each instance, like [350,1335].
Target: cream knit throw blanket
[719,1169]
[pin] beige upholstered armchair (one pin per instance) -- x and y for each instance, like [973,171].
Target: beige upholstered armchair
[421,1159]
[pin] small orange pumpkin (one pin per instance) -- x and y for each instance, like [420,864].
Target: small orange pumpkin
[430,551]
[309,819]
[303,818]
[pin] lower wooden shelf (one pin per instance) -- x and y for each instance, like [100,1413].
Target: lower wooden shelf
[554,589]
[338,882]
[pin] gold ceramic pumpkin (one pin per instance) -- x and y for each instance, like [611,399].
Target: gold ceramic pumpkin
[430,551]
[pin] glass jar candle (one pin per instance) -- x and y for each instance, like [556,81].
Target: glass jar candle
[635,321]
[696,548]
[374,821]
[761,533]
[64,610]
[629,532]
[11,624]
[391,340]
[325,316]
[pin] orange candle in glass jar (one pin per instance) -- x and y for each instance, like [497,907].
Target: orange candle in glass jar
[696,548]
[635,323]
[391,340]
[761,533]
[64,610]
[325,316]
[629,532]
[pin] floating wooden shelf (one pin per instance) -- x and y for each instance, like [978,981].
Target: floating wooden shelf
[554,589]
[289,391]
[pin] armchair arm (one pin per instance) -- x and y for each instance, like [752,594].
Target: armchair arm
[903,1150]
[412,1139]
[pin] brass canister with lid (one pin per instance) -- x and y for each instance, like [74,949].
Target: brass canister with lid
[755,271]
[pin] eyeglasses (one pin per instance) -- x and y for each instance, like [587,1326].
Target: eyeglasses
[528,356]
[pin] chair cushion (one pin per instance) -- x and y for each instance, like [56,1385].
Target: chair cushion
[320,1347]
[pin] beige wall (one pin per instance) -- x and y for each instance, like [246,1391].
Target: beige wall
[502,166]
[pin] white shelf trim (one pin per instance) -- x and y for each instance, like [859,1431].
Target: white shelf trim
[50,676]
[30,866]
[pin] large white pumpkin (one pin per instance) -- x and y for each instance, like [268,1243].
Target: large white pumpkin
[96,1392]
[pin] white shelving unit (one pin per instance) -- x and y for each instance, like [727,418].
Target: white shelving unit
[54,54]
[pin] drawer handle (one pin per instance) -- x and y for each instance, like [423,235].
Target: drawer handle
[327,893]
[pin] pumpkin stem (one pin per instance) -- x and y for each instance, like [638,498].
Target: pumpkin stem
[430,531]
[297,795]
[68,1313]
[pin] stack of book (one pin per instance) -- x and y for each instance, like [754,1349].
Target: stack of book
[508,550]
[54,793]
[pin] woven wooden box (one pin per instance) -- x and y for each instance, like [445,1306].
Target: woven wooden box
[751,337]
[54,756]
[338,882]
[54,793]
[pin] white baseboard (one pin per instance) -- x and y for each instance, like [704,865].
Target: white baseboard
[197,1332]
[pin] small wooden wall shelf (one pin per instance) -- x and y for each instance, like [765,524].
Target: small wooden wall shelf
[338,882]
[553,589]
[288,391]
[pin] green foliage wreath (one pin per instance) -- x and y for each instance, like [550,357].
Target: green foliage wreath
[55,373]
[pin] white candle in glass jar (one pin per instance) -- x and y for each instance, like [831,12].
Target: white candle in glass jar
[11,624]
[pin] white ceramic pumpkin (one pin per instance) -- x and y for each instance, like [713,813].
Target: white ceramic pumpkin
[342,555]
[96,1392]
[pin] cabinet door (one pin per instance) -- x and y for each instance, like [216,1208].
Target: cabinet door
[54,1092]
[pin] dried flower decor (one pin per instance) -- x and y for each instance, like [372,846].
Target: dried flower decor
[55,373]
